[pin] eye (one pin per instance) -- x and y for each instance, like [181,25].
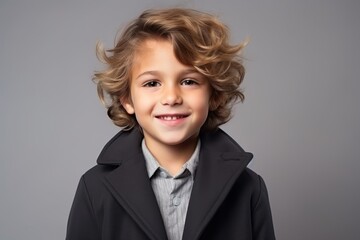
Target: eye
[151,84]
[188,81]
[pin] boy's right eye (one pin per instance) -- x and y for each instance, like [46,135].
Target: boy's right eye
[151,84]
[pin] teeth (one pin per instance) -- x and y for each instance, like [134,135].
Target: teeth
[170,118]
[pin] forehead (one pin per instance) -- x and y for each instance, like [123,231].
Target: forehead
[150,46]
[156,55]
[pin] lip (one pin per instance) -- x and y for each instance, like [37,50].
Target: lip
[172,119]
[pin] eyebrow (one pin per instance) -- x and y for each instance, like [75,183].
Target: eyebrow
[147,73]
[185,71]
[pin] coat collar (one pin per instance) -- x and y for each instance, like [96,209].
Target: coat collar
[129,182]
[221,162]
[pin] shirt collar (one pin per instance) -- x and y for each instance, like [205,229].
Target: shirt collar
[152,164]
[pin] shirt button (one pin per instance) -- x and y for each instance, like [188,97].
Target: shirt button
[163,174]
[176,201]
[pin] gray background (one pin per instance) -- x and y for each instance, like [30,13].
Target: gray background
[301,117]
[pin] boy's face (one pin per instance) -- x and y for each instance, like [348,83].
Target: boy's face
[170,100]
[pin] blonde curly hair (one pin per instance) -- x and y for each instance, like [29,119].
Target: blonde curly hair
[199,40]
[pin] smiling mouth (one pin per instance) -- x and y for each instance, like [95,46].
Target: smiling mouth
[171,117]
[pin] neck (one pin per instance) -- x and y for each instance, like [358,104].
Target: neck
[173,157]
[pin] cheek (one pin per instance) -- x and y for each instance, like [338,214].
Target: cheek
[201,103]
[142,103]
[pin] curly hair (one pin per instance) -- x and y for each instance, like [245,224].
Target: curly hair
[199,39]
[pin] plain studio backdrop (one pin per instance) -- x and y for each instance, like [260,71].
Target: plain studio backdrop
[301,116]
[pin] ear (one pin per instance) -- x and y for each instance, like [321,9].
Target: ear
[127,104]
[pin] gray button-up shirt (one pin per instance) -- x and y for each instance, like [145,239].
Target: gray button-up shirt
[172,193]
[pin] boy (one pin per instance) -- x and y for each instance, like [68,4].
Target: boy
[172,79]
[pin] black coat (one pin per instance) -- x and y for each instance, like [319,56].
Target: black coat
[115,201]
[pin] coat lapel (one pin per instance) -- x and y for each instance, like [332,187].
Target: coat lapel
[129,183]
[221,162]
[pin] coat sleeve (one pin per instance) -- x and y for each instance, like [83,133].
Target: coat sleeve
[263,228]
[82,222]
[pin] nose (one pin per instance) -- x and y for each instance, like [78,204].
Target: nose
[171,96]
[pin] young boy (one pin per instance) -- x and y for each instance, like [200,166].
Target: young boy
[171,173]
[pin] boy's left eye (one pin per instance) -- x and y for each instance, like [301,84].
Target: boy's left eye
[188,82]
